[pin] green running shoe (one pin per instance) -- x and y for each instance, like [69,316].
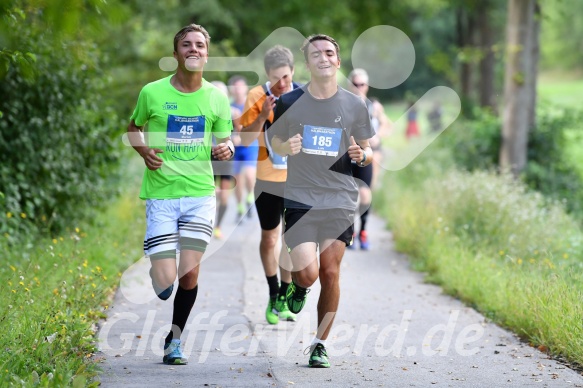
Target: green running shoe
[173,354]
[271,312]
[319,357]
[283,310]
[296,298]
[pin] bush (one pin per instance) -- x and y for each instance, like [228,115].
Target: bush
[502,248]
[56,135]
[552,168]
[553,161]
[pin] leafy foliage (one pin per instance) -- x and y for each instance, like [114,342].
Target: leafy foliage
[552,169]
[56,130]
[553,160]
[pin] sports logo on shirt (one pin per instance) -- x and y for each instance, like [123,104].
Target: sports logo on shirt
[170,106]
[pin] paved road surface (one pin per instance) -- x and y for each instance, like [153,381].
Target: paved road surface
[391,330]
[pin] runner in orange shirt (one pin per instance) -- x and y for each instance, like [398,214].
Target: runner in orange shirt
[271,175]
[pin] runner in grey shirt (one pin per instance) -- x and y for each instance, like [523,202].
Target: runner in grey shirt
[316,126]
[321,176]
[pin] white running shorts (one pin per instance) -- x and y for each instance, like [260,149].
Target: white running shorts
[168,220]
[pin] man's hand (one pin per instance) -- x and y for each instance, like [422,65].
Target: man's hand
[223,151]
[294,144]
[354,151]
[268,106]
[153,162]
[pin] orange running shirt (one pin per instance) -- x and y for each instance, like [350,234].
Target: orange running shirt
[253,105]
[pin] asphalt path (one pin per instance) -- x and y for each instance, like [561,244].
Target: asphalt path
[392,329]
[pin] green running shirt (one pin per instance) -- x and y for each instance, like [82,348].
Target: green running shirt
[182,125]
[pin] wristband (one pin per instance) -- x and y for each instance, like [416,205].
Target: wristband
[361,163]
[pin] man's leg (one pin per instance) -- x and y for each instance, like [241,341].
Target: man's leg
[188,271]
[285,267]
[160,243]
[330,259]
[249,171]
[163,273]
[195,228]
[365,196]
[267,252]
[269,210]
[304,257]
[222,201]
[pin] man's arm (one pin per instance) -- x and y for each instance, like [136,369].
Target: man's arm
[291,146]
[360,152]
[224,150]
[152,161]
[252,131]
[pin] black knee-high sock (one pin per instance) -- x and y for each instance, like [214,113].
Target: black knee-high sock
[364,216]
[283,288]
[183,302]
[221,213]
[273,286]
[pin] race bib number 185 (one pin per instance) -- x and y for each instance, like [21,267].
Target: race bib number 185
[321,140]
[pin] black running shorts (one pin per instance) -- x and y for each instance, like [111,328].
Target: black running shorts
[362,175]
[269,203]
[318,225]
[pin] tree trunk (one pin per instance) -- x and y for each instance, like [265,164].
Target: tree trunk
[518,80]
[465,30]
[486,82]
[534,48]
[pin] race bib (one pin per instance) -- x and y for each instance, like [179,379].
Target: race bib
[278,162]
[185,130]
[321,140]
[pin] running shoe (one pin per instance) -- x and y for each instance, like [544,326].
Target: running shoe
[271,312]
[218,234]
[363,238]
[296,298]
[240,212]
[162,294]
[352,245]
[282,309]
[319,357]
[173,354]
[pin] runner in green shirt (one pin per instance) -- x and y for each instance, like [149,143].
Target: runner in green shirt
[182,111]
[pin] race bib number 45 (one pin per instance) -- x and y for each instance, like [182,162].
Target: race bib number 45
[321,140]
[183,129]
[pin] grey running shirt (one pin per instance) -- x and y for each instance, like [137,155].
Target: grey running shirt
[320,176]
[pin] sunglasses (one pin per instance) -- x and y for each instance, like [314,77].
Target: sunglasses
[359,85]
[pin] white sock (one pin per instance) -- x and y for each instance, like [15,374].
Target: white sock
[318,341]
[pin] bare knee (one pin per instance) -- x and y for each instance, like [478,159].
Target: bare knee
[269,238]
[305,278]
[329,276]
[190,279]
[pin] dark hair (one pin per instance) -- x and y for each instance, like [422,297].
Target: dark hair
[191,28]
[278,56]
[313,38]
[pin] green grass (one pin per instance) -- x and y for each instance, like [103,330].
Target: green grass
[561,88]
[56,289]
[487,240]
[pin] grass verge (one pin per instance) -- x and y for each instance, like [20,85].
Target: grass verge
[56,289]
[510,253]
